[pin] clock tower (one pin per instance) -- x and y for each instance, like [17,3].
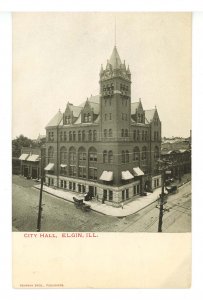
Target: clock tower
[115,99]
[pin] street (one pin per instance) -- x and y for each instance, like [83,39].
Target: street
[59,215]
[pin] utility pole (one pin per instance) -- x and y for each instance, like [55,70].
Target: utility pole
[161,210]
[163,168]
[40,197]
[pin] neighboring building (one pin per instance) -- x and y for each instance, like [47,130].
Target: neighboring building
[108,145]
[32,161]
[180,162]
[176,144]
[177,151]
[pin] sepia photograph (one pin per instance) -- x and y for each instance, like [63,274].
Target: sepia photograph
[101,129]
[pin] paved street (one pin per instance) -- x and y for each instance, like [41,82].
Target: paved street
[60,215]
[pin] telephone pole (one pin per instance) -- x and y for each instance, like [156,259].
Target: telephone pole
[163,167]
[40,197]
[161,210]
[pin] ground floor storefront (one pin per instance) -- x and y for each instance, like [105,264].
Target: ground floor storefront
[30,170]
[111,195]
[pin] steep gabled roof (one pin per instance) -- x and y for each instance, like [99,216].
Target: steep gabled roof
[76,110]
[134,106]
[149,114]
[95,107]
[95,99]
[56,120]
[93,102]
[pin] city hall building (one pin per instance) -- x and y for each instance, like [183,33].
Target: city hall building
[109,145]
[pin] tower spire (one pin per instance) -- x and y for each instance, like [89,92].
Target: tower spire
[115,32]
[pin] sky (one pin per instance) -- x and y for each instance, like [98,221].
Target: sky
[57,58]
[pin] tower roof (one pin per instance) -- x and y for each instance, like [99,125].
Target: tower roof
[115,60]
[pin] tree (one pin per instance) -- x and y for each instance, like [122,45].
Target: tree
[18,143]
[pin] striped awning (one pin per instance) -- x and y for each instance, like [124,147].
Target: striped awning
[24,156]
[106,176]
[126,175]
[138,172]
[49,167]
[33,157]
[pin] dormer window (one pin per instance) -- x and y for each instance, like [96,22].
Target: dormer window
[89,118]
[67,120]
[85,118]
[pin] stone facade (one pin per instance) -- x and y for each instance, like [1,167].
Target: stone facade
[106,133]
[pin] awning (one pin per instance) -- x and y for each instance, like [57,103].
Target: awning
[138,171]
[106,176]
[126,175]
[24,156]
[49,167]
[63,166]
[33,157]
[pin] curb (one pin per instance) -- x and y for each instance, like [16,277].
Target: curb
[95,209]
[103,212]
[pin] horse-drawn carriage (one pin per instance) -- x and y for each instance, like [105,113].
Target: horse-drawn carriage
[78,202]
[172,189]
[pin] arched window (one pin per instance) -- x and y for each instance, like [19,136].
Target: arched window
[144,153]
[126,132]
[110,132]
[90,135]
[81,154]
[74,136]
[134,135]
[70,136]
[123,156]
[141,118]
[127,157]
[64,136]
[79,136]
[105,133]
[122,132]
[89,118]
[61,136]
[105,156]
[110,157]
[72,155]
[92,154]
[63,155]
[88,115]
[83,135]
[136,154]
[156,152]
[138,135]
[50,154]
[95,135]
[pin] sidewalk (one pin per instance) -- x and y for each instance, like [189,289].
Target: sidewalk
[132,207]
[137,204]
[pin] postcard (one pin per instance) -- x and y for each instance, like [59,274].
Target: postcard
[101,150]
